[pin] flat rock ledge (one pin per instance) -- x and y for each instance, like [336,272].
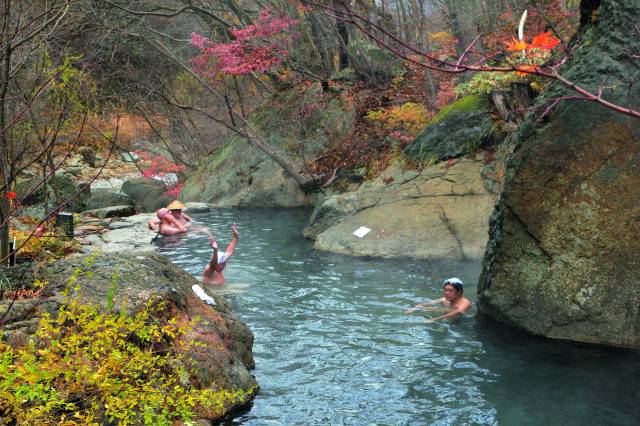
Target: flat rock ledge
[441,212]
[123,234]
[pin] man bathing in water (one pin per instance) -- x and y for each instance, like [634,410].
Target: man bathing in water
[213,271]
[453,301]
[171,220]
[176,207]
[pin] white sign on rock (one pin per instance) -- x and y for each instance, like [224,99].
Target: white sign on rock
[361,232]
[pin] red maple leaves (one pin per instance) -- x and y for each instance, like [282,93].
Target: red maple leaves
[255,48]
[543,41]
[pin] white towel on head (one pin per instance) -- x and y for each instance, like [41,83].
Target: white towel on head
[202,295]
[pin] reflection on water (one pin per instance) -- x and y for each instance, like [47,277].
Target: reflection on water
[332,345]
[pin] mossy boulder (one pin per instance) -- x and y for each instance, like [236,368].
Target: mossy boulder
[471,103]
[239,174]
[562,259]
[130,281]
[64,184]
[458,129]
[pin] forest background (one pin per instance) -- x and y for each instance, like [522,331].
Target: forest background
[186,74]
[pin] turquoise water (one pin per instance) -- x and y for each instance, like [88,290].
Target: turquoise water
[333,346]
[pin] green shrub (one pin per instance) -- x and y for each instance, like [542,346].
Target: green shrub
[89,367]
[483,83]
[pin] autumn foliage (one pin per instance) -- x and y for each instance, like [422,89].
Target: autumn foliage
[89,367]
[254,48]
[158,166]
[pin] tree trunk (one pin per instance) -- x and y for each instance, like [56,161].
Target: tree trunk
[253,137]
[5,208]
[341,28]
[320,43]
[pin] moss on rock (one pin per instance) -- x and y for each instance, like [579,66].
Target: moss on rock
[458,129]
[471,103]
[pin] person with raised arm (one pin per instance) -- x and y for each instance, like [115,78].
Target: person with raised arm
[212,273]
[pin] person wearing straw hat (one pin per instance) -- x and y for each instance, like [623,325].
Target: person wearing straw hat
[166,224]
[175,208]
[453,302]
[212,273]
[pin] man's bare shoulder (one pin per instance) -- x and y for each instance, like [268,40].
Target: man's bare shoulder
[463,305]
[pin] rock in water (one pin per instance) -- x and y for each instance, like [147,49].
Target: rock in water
[562,260]
[439,213]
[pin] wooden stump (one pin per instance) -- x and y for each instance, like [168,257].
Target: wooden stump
[513,104]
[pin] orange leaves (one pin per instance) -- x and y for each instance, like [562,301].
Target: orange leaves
[410,117]
[533,54]
[524,70]
[516,45]
[544,41]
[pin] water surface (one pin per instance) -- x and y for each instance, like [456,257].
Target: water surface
[333,346]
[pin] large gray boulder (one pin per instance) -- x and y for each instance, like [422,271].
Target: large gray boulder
[439,213]
[101,198]
[562,260]
[112,211]
[239,175]
[223,360]
[69,190]
[148,195]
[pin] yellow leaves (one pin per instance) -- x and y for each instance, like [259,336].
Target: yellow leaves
[103,360]
[411,117]
[53,243]
[441,38]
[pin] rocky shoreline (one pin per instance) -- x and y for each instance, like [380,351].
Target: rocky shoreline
[119,266]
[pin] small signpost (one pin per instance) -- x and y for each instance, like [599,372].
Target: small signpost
[65,221]
[12,252]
